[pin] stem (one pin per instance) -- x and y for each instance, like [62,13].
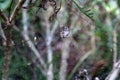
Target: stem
[7,53]
[65,55]
[8,45]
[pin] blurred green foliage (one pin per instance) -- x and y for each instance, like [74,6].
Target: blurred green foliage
[105,16]
[4,4]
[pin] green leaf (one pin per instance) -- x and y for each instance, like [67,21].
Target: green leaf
[4,4]
[88,13]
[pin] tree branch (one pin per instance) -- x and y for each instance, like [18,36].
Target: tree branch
[29,42]
[16,9]
[7,53]
[115,45]
[115,72]
[65,54]
[8,45]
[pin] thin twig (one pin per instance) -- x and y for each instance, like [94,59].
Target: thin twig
[29,42]
[80,62]
[49,55]
[115,72]
[16,9]
[2,33]
[65,55]
[115,45]
[10,8]
[49,38]
[93,46]
[3,16]
[55,26]
[65,45]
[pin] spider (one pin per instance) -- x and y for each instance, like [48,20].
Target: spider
[64,32]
